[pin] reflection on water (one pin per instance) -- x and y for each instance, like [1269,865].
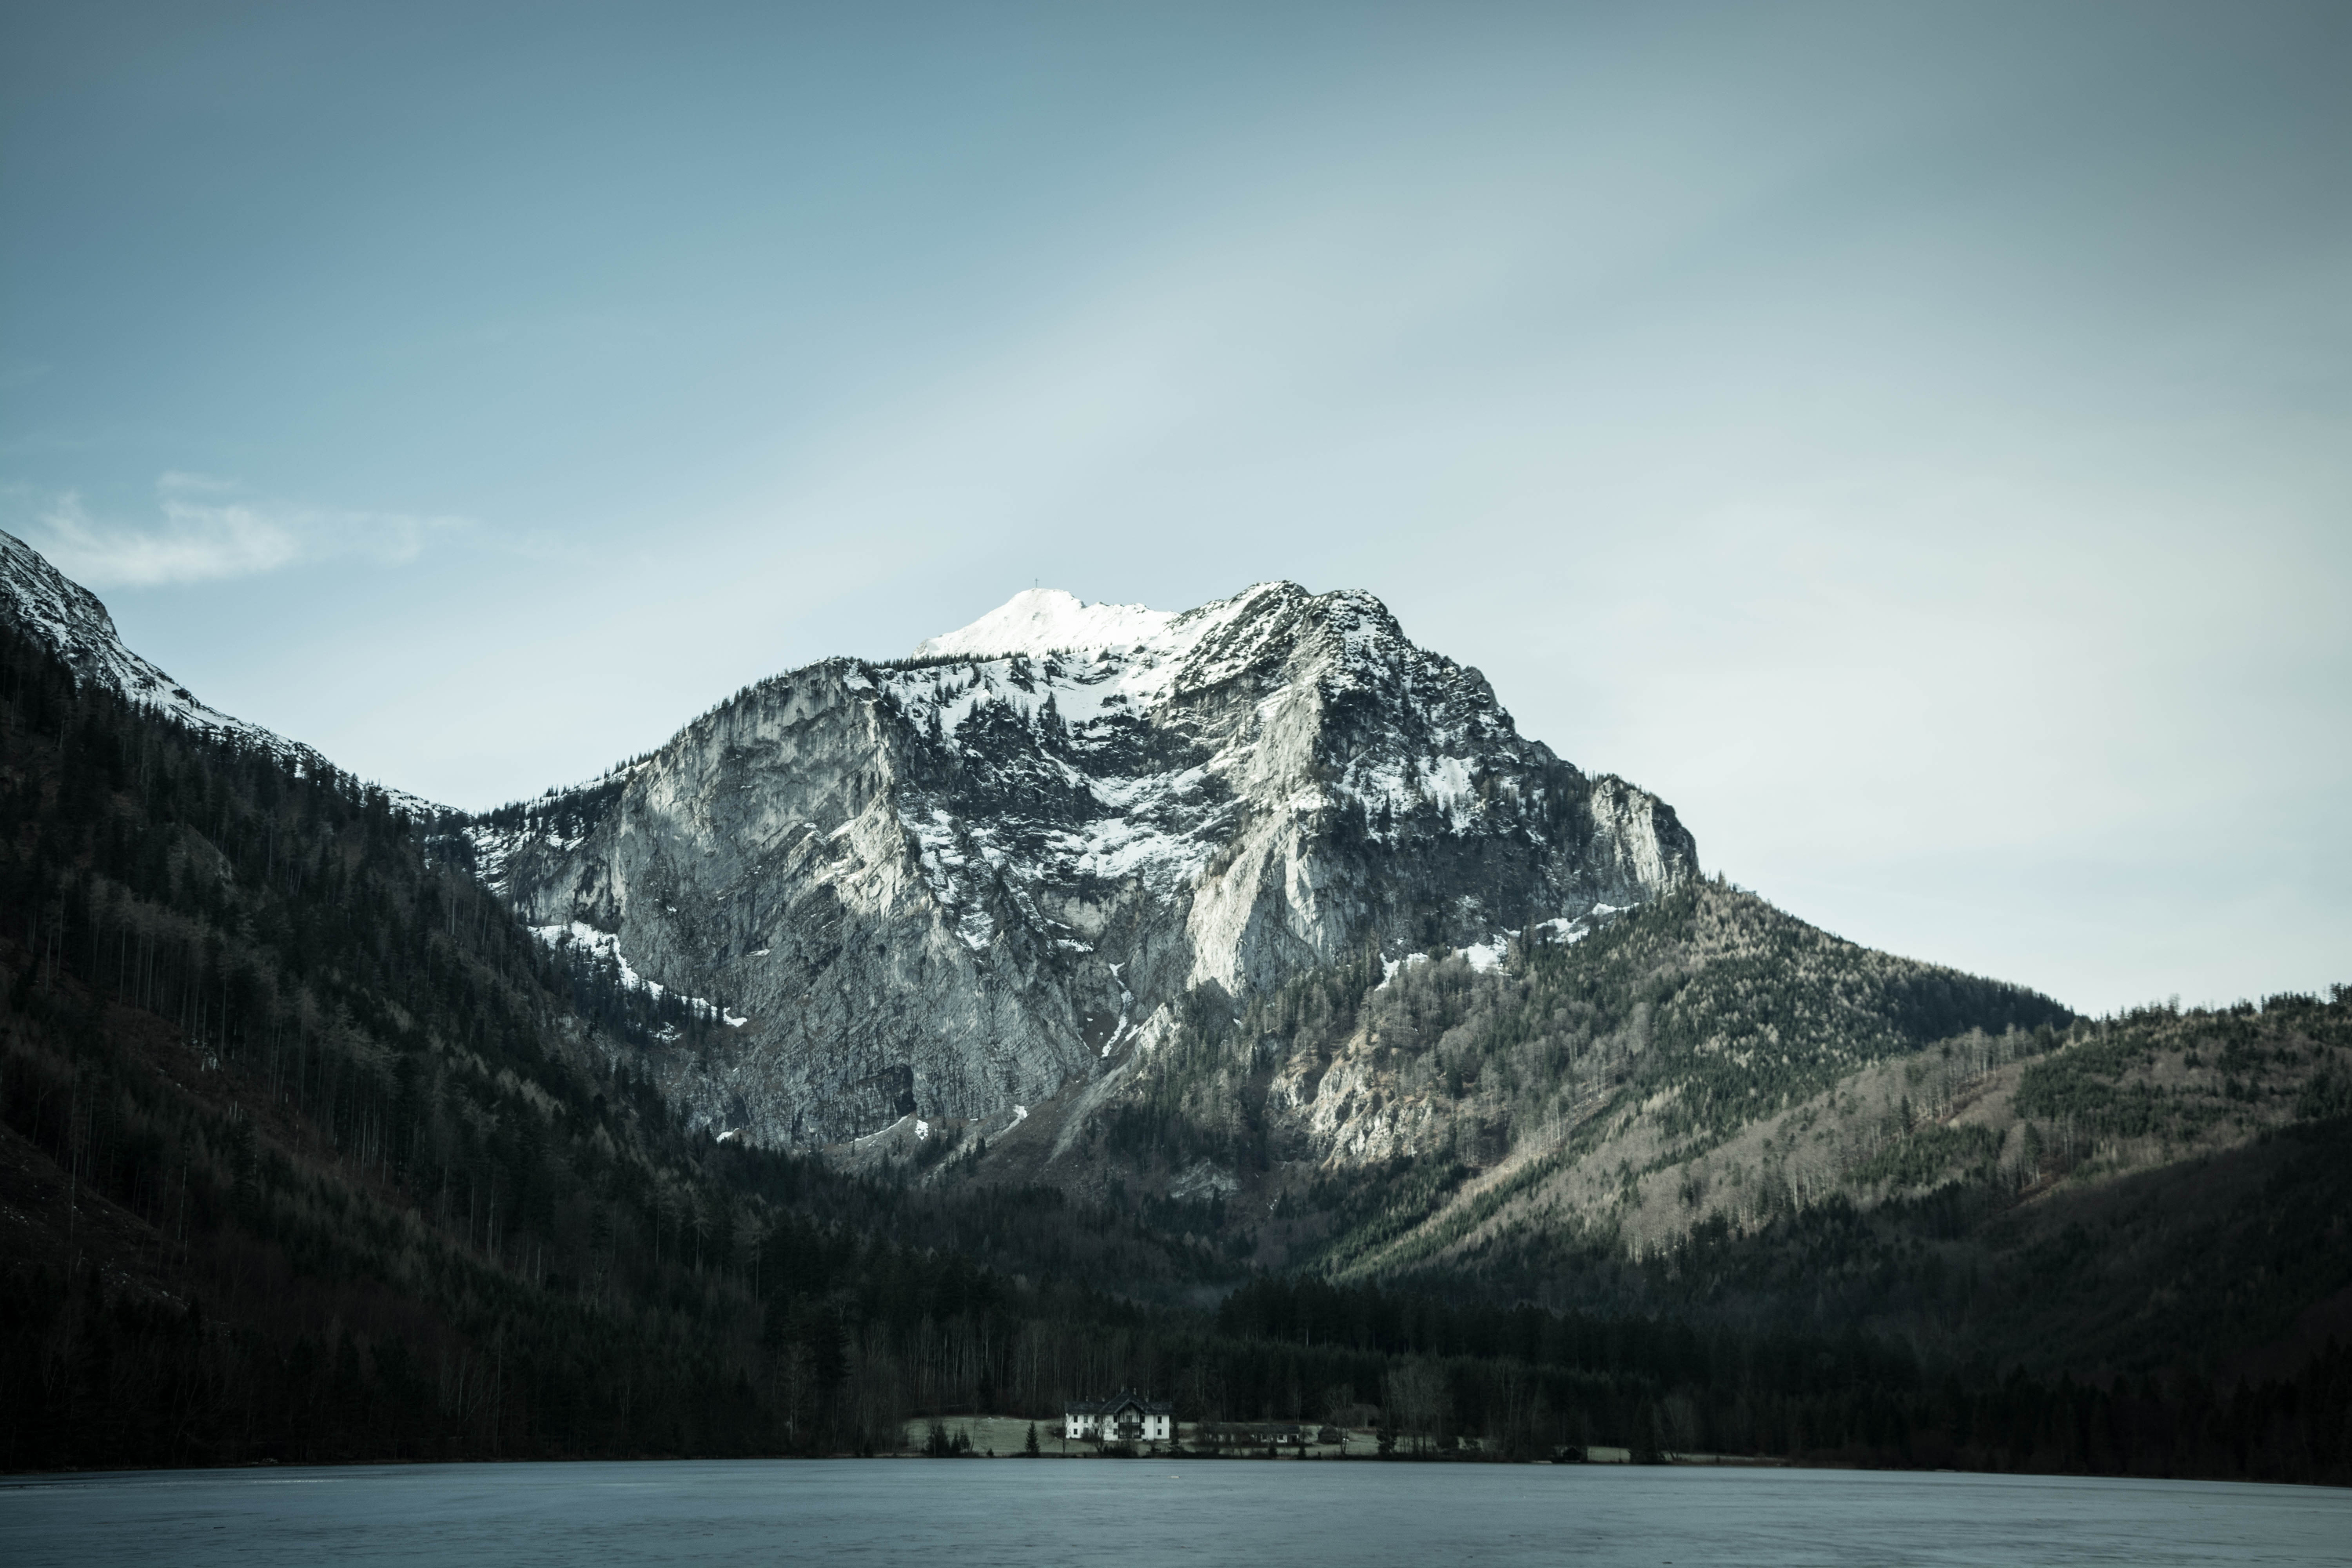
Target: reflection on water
[976,1513]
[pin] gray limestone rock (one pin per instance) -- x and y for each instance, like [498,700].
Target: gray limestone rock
[946,886]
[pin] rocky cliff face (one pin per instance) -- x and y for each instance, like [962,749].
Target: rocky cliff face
[949,886]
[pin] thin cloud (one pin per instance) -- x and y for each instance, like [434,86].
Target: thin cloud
[207,530]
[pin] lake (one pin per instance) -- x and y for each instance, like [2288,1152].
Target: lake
[976,1513]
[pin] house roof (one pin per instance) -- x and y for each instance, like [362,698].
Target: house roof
[1126,1398]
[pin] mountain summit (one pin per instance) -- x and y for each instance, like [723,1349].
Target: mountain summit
[1050,620]
[950,885]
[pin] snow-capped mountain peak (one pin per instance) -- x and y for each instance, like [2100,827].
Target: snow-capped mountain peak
[1038,621]
[964,878]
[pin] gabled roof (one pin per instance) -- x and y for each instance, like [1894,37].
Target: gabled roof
[1125,1399]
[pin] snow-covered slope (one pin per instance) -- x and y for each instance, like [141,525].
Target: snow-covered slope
[49,607]
[1048,620]
[957,883]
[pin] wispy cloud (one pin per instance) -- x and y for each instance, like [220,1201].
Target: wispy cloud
[209,529]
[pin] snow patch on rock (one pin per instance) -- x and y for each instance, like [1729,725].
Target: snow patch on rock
[604,947]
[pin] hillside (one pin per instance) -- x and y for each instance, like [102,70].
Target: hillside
[1706,1108]
[1560,1072]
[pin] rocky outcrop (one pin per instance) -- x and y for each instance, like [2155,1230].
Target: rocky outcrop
[950,885]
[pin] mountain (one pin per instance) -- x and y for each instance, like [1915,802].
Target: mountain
[53,612]
[1257,916]
[310,1149]
[949,887]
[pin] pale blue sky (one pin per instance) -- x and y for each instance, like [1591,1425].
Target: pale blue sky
[1915,440]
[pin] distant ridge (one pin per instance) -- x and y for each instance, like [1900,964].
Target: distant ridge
[60,615]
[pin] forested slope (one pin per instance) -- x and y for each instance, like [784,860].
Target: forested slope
[2162,1190]
[307,1149]
[1377,1117]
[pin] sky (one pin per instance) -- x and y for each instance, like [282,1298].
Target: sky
[1915,441]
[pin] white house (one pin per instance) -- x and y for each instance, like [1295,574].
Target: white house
[1125,1417]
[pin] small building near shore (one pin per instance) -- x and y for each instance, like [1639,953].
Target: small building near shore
[1125,1417]
[1260,1435]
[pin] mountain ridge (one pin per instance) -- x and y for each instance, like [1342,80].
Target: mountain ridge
[1043,830]
[57,613]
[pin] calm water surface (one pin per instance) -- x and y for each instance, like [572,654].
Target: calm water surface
[974,1514]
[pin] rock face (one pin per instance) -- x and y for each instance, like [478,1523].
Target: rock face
[950,885]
